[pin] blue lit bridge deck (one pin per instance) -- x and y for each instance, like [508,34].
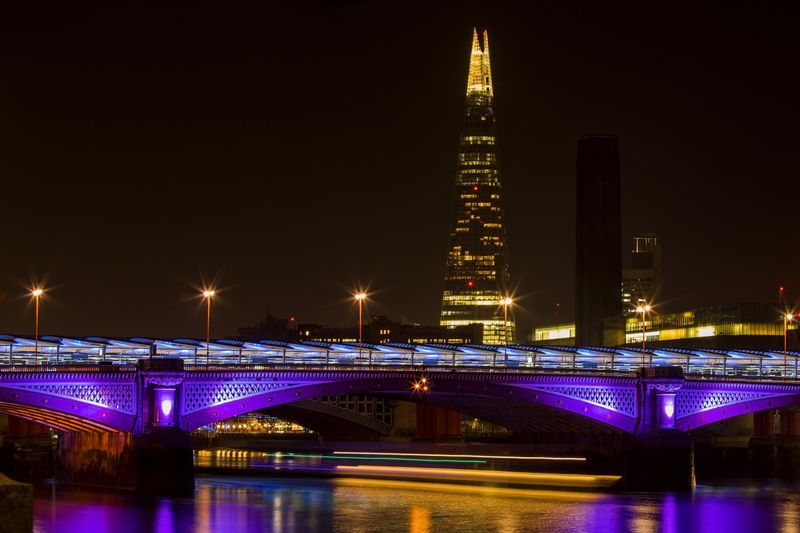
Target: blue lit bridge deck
[17,350]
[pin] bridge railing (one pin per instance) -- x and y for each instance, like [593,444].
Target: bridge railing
[68,367]
[711,363]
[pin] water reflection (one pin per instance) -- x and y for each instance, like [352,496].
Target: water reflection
[353,505]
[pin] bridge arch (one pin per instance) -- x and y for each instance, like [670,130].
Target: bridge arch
[52,418]
[700,403]
[72,400]
[208,397]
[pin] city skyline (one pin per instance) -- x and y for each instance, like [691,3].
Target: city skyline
[147,174]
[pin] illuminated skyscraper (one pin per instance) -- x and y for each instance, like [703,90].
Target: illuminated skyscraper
[476,272]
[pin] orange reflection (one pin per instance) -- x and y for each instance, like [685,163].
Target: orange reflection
[420,520]
[459,475]
[417,486]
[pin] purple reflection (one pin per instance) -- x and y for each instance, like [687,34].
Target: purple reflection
[225,504]
[164,518]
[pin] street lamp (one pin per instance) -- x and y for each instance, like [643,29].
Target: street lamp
[36,293]
[643,309]
[360,297]
[208,295]
[787,317]
[505,302]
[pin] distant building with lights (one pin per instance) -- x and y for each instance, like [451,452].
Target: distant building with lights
[279,329]
[377,330]
[755,326]
[476,270]
[641,276]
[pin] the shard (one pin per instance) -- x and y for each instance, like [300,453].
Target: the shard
[477,277]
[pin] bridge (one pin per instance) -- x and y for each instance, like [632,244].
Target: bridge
[148,394]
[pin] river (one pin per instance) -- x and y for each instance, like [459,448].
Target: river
[234,504]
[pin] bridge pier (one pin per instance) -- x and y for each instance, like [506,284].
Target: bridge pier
[156,458]
[434,422]
[662,456]
[775,444]
[148,463]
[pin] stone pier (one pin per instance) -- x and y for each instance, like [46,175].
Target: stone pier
[775,444]
[154,464]
[662,457]
[156,458]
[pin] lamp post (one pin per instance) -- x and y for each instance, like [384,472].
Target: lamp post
[787,317]
[643,309]
[36,294]
[505,302]
[360,297]
[208,295]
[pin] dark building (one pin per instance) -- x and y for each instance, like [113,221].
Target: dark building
[476,272]
[279,329]
[378,330]
[598,269]
[641,277]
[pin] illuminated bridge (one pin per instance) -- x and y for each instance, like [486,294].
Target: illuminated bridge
[159,388]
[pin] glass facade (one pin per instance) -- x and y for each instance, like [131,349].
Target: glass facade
[476,272]
[742,319]
[746,319]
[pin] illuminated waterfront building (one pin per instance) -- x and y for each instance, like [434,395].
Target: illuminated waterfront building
[746,325]
[476,272]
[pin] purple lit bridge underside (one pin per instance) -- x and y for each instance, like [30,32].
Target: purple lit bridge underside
[131,400]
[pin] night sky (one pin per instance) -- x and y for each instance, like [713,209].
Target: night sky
[292,153]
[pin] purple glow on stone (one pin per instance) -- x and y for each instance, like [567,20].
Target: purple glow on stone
[166,407]
[164,414]
[666,411]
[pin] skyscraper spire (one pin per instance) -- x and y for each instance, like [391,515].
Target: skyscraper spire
[480,71]
[476,271]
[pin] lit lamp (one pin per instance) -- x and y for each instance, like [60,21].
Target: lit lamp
[360,297]
[164,400]
[787,317]
[208,295]
[36,294]
[505,302]
[643,309]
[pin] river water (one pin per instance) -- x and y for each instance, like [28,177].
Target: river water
[250,504]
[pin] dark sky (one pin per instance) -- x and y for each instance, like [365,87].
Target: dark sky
[293,152]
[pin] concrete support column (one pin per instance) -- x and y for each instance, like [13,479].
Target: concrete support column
[662,457]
